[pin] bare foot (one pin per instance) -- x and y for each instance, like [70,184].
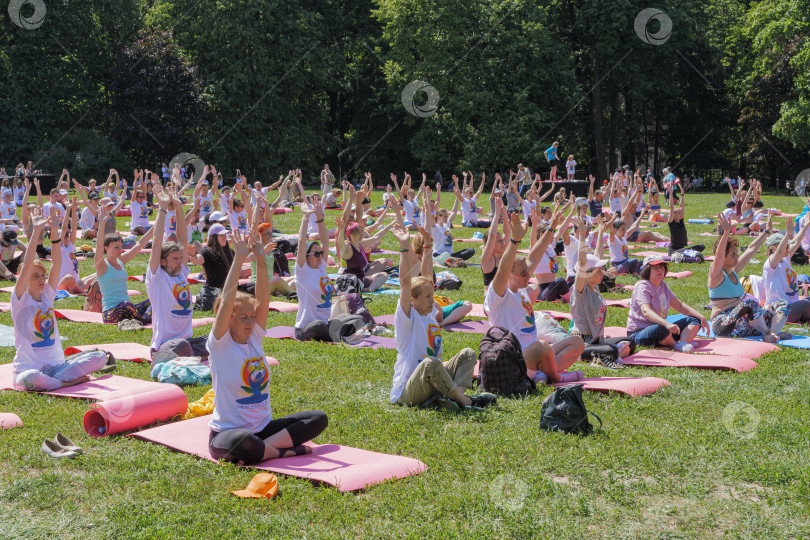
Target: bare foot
[74,382]
[770,338]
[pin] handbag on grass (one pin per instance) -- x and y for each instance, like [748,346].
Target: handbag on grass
[564,410]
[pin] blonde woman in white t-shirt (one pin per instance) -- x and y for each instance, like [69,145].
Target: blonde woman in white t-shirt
[39,363]
[243,430]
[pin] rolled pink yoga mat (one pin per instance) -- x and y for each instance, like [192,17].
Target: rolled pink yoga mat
[128,411]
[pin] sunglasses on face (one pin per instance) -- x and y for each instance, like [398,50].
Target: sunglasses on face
[317,253]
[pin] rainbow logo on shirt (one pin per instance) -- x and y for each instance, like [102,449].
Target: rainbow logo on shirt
[44,326]
[472,205]
[255,377]
[552,265]
[182,295]
[74,260]
[144,211]
[11,211]
[448,238]
[792,281]
[242,220]
[173,223]
[528,323]
[206,206]
[327,286]
[434,339]
[625,251]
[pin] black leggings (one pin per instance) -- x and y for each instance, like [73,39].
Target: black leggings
[607,347]
[235,445]
[799,312]
[464,254]
[317,330]
[553,290]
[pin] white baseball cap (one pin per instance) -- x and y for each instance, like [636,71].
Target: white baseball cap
[218,229]
[593,262]
[216,216]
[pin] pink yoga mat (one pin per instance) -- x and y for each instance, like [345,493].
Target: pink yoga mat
[679,275]
[134,352]
[5,306]
[9,421]
[371,342]
[130,292]
[651,254]
[128,411]
[100,388]
[618,302]
[477,311]
[346,468]
[282,210]
[719,346]
[669,358]
[629,386]
[468,240]
[283,307]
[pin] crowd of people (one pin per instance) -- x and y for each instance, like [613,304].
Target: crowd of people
[170,223]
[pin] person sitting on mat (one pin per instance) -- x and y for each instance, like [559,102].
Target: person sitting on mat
[469,201]
[39,363]
[734,314]
[419,372]
[509,305]
[442,233]
[168,288]
[778,275]
[628,215]
[652,299]
[69,279]
[619,255]
[679,241]
[550,287]
[351,248]
[315,288]
[111,272]
[243,430]
[588,308]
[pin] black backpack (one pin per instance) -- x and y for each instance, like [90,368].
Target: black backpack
[501,368]
[348,283]
[564,410]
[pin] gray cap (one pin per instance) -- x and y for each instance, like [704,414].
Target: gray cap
[774,239]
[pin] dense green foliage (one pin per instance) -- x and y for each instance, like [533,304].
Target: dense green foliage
[264,85]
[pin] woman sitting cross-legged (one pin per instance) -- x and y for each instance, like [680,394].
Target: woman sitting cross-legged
[315,288]
[39,363]
[779,277]
[419,372]
[111,271]
[242,427]
[509,306]
[647,323]
[734,314]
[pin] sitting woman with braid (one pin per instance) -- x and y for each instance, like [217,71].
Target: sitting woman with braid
[242,427]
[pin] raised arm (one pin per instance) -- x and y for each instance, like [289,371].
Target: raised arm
[56,252]
[753,247]
[228,295]
[162,199]
[537,250]
[30,254]
[776,257]
[404,268]
[501,279]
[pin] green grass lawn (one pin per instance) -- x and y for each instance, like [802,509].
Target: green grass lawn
[667,465]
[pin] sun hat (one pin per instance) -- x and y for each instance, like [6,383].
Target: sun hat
[261,486]
[593,262]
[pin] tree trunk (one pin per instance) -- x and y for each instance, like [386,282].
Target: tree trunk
[656,144]
[630,131]
[614,113]
[597,122]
